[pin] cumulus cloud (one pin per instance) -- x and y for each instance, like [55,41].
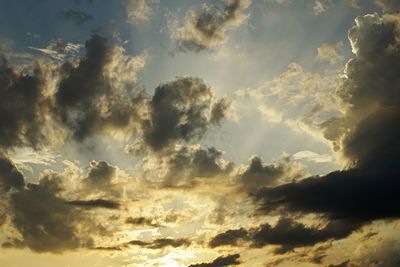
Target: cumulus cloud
[321,6]
[92,97]
[182,109]
[97,94]
[258,174]
[185,166]
[100,175]
[312,156]
[367,135]
[207,27]
[23,101]
[50,215]
[45,222]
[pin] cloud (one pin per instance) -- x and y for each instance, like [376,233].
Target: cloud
[26,156]
[10,176]
[228,260]
[142,221]
[299,100]
[229,238]
[207,27]
[386,254]
[321,6]
[271,115]
[388,5]
[182,109]
[185,166]
[330,53]
[60,50]
[93,98]
[137,10]
[258,174]
[100,175]
[96,203]
[49,216]
[155,244]
[22,103]
[98,94]
[312,156]
[78,17]
[287,234]
[367,135]
[45,222]
[165,242]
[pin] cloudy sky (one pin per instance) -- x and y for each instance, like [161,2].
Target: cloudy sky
[199,133]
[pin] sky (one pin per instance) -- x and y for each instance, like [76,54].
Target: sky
[202,133]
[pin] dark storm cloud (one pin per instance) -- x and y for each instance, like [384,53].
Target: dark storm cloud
[87,100]
[43,219]
[22,104]
[78,17]
[220,261]
[10,176]
[206,27]
[287,234]
[95,203]
[368,136]
[182,109]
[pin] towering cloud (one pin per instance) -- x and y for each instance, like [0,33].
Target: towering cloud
[23,102]
[367,136]
[95,96]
